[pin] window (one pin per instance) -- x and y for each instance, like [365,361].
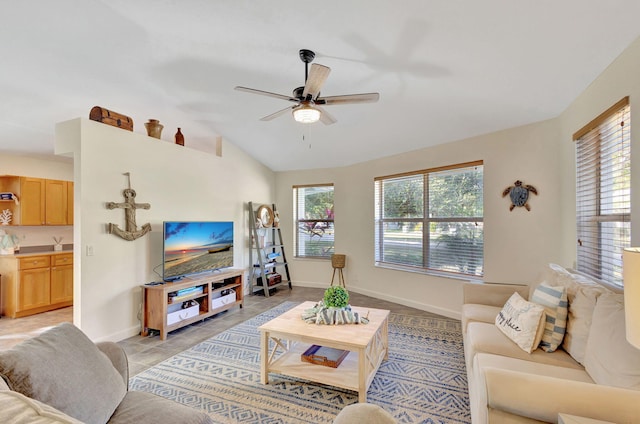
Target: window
[603,193]
[313,218]
[431,220]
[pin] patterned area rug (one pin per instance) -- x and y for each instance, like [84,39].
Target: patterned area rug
[423,381]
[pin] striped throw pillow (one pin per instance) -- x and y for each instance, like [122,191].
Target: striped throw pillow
[554,301]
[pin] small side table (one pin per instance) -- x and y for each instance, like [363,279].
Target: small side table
[574,419]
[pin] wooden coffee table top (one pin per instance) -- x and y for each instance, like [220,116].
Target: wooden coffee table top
[349,335]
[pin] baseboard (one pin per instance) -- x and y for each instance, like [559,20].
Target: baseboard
[120,335]
[383,296]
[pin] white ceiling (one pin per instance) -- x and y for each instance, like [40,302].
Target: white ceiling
[445,70]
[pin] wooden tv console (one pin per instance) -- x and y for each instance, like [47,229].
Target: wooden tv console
[157,299]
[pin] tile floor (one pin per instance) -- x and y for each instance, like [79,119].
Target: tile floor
[13,331]
[144,352]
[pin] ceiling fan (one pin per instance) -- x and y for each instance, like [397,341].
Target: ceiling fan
[308,103]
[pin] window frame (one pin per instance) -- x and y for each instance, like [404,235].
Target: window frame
[595,252]
[425,220]
[297,222]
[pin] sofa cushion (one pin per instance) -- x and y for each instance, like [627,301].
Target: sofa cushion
[522,322]
[16,408]
[543,397]
[486,338]
[144,407]
[554,301]
[609,358]
[582,293]
[484,360]
[64,369]
[480,413]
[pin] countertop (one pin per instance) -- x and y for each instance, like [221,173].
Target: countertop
[28,251]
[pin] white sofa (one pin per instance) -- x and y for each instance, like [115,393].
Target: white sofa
[595,373]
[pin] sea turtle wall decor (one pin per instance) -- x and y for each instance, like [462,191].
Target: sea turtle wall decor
[519,194]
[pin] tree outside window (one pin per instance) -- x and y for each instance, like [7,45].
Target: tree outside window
[313,219]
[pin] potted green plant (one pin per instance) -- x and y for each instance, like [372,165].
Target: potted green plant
[336,297]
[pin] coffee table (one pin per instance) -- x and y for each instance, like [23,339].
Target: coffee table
[291,336]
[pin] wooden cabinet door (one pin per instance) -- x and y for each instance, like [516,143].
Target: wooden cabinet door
[56,202]
[69,202]
[32,201]
[61,284]
[34,290]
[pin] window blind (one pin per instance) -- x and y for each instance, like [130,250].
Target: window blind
[603,193]
[431,220]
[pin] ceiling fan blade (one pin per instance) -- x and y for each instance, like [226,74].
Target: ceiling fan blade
[348,98]
[317,76]
[278,113]
[325,117]
[267,93]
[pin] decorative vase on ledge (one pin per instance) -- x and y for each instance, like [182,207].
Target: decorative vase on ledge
[154,128]
[179,138]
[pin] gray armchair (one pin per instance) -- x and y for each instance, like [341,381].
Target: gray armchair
[62,376]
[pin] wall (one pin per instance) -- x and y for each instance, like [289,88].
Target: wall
[180,184]
[54,169]
[518,244]
[61,169]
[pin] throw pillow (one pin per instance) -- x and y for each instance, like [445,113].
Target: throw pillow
[63,368]
[554,301]
[579,321]
[609,359]
[582,293]
[555,275]
[16,408]
[522,322]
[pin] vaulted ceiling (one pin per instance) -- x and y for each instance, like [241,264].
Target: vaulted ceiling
[445,70]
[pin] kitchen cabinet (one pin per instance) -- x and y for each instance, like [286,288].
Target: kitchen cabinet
[69,202]
[32,201]
[41,201]
[55,202]
[34,289]
[36,283]
[61,278]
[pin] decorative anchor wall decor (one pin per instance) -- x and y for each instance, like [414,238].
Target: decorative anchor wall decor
[519,194]
[129,205]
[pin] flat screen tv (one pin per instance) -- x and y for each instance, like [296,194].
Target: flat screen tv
[196,247]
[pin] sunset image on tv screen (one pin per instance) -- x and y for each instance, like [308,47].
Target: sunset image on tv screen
[195,247]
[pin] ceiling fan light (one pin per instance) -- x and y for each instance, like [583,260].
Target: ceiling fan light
[306,114]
